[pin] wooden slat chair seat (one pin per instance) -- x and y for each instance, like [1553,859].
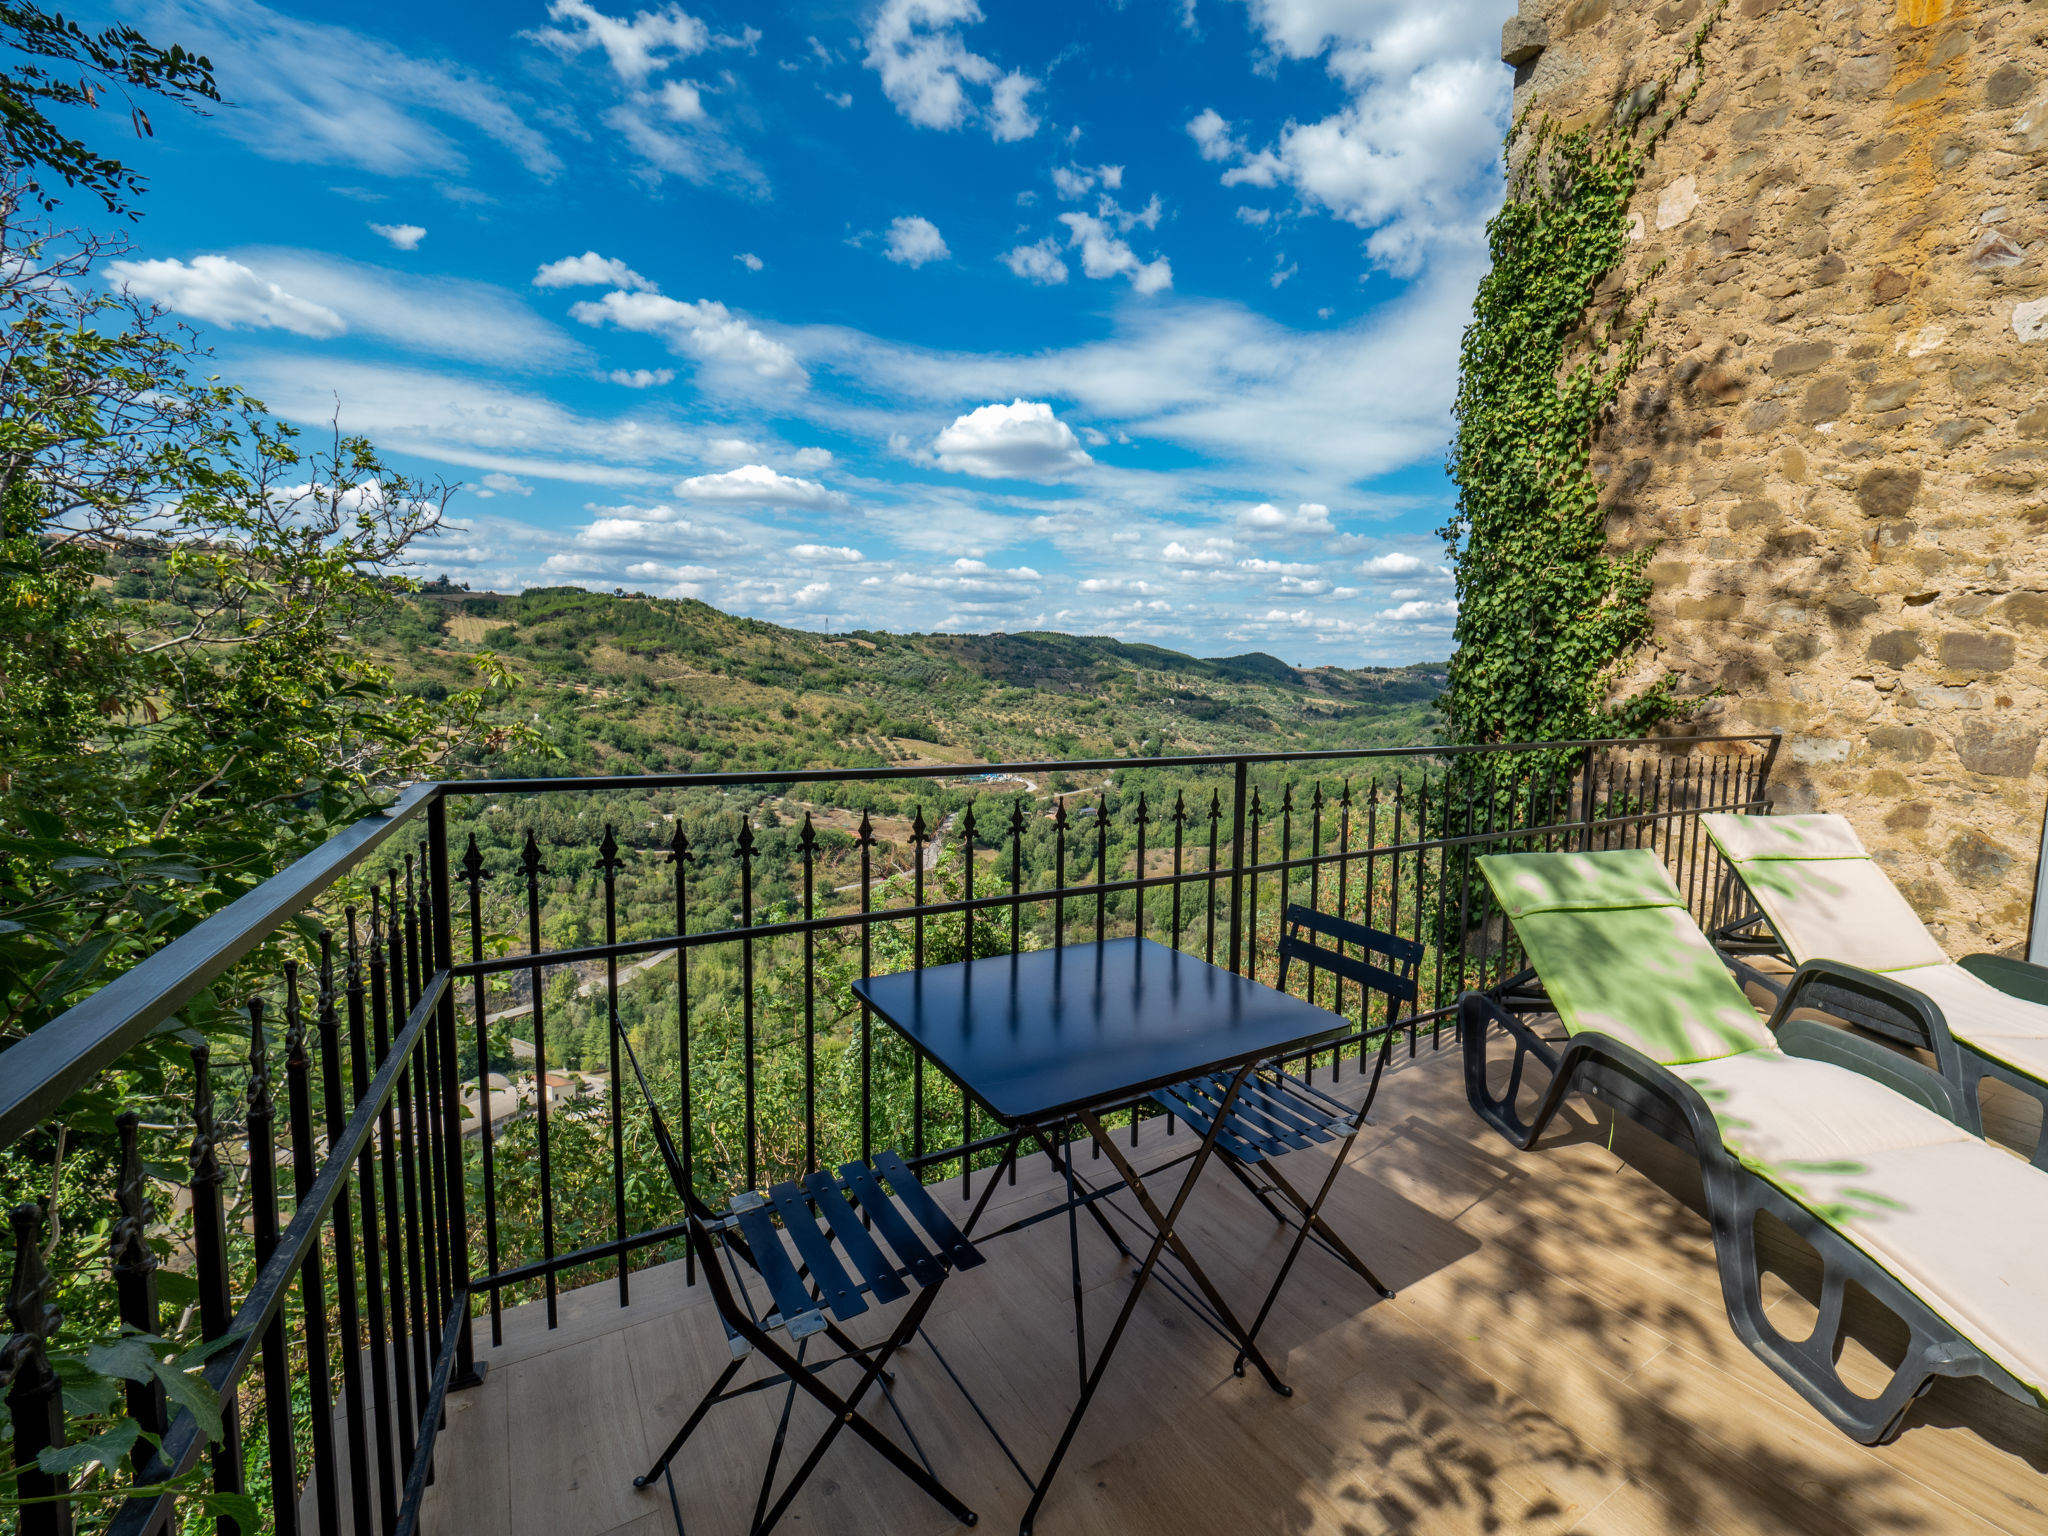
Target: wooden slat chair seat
[1277,1111]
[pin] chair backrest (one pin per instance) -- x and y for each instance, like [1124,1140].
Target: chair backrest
[1619,953]
[1396,980]
[1822,892]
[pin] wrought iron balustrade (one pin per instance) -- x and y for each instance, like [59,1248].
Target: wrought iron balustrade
[380,1162]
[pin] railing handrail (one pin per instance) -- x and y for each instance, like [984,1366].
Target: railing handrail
[39,1073]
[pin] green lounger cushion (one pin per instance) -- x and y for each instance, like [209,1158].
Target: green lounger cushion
[1619,953]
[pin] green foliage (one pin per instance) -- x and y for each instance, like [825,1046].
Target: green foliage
[115,60]
[1548,616]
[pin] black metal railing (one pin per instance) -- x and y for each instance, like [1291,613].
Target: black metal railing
[428,1166]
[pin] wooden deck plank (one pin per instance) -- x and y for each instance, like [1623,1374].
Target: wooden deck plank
[1557,1359]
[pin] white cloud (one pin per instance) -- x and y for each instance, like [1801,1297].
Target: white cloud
[750,261]
[1211,132]
[1411,155]
[706,330]
[496,484]
[310,92]
[1019,441]
[1040,262]
[1393,563]
[1208,551]
[812,458]
[405,237]
[1072,182]
[1421,610]
[1254,216]
[756,485]
[448,316]
[914,241]
[1308,517]
[225,293]
[1104,255]
[842,552]
[926,70]
[470,422]
[1260,567]
[642,378]
[590,270]
[1112,176]
[650,42]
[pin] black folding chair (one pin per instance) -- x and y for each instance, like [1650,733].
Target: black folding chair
[1277,1112]
[813,1294]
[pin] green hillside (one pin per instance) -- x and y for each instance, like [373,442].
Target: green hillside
[625,684]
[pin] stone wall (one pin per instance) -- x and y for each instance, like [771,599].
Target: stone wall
[1838,443]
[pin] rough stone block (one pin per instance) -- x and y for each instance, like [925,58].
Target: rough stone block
[1908,743]
[1977,861]
[1716,608]
[2007,87]
[1911,817]
[1888,492]
[1971,651]
[1675,204]
[1845,610]
[2033,423]
[2027,610]
[1895,648]
[1522,38]
[1889,397]
[1825,400]
[1800,357]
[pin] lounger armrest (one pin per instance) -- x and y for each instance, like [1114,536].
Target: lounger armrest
[1824,1042]
[2015,978]
[1886,1008]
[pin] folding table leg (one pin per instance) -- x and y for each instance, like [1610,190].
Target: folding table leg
[1311,1220]
[1164,1229]
[1246,1348]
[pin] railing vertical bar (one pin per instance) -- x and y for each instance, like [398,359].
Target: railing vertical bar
[918,840]
[210,1260]
[1215,825]
[384,998]
[967,953]
[609,864]
[1101,859]
[807,848]
[260,1121]
[348,1300]
[867,968]
[473,878]
[533,869]
[298,1066]
[373,1270]
[1237,810]
[679,858]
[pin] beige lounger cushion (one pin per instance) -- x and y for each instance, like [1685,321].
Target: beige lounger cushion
[1996,1023]
[1822,892]
[1962,1225]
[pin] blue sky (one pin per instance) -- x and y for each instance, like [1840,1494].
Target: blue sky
[1132,319]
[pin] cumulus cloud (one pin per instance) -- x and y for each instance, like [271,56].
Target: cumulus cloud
[1393,563]
[1421,610]
[590,270]
[227,294]
[404,237]
[756,485]
[642,378]
[1211,132]
[1039,262]
[929,73]
[914,241]
[1071,182]
[750,261]
[1308,517]
[1019,441]
[828,552]
[812,458]
[1210,551]
[1410,156]
[705,329]
[1104,255]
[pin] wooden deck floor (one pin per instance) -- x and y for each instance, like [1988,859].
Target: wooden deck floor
[1557,1359]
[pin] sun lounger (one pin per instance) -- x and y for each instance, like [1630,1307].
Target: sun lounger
[1824,897]
[1848,1142]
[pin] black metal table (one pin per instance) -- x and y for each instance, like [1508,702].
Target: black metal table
[1049,1037]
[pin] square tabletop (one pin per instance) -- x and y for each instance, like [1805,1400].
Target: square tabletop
[1038,1035]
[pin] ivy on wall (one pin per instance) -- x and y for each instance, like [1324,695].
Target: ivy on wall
[1548,617]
